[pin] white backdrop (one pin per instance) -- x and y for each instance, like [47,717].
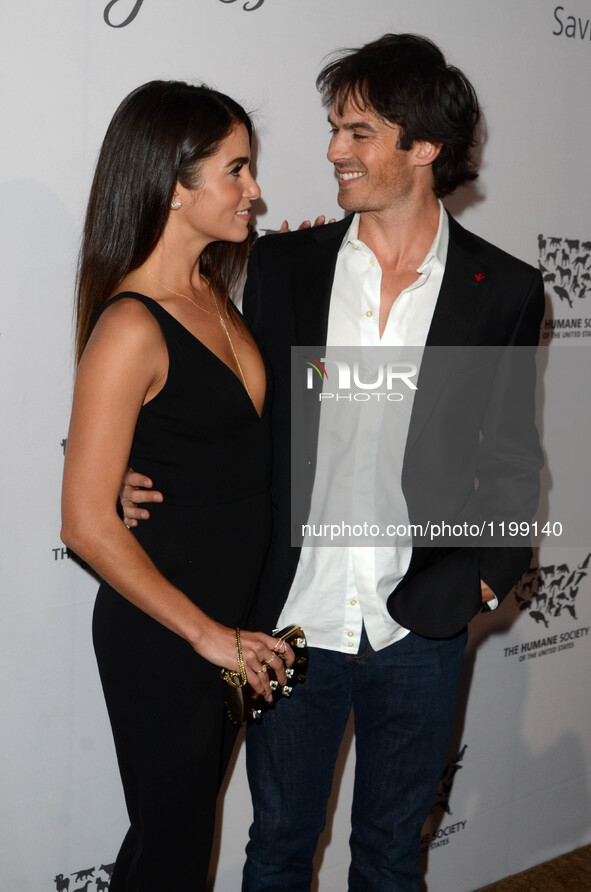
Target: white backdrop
[516,789]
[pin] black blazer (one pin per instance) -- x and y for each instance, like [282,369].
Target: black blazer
[487,298]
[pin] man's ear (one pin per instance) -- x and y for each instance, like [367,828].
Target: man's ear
[425,152]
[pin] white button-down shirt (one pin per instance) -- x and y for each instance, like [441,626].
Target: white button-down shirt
[338,589]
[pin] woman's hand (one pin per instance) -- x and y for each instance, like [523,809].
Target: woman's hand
[261,654]
[306,224]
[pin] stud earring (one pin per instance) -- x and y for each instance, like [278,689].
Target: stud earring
[175,204]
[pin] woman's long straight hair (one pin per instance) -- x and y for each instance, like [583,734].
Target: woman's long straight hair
[159,135]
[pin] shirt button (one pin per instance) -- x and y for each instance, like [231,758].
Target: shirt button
[351,644]
[355,245]
[350,634]
[369,314]
[353,602]
[372,263]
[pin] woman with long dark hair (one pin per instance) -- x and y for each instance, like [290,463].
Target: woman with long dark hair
[170,380]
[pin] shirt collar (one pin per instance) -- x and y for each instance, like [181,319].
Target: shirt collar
[437,251]
[352,233]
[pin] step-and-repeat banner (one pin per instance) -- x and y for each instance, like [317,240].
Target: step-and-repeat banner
[516,789]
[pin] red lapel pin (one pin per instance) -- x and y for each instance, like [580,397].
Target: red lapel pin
[479,276]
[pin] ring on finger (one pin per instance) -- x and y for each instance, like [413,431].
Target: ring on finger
[280,652]
[268,662]
[262,669]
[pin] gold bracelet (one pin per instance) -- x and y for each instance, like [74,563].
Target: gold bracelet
[236,679]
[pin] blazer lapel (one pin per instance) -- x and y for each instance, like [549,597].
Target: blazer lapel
[311,304]
[455,323]
[311,292]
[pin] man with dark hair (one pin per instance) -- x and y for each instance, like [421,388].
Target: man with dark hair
[405,80]
[386,626]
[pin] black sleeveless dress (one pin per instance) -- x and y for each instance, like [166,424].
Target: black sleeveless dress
[203,444]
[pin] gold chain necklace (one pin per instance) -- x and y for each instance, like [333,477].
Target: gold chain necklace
[237,361]
[178,293]
[209,313]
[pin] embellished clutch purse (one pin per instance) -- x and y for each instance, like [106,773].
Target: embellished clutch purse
[243,703]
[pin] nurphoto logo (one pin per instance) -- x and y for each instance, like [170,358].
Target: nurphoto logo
[359,381]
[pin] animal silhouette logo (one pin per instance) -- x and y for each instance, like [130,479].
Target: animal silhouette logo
[565,264]
[546,593]
[86,877]
[446,783]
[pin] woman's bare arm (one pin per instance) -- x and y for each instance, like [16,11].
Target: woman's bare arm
[124,365]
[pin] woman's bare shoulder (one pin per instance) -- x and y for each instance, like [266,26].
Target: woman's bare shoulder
[128,321]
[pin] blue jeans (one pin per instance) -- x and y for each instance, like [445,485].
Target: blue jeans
[403,698]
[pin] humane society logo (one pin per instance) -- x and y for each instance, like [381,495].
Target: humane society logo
[434,836]
[565,265]
[90,883]
[547,595]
